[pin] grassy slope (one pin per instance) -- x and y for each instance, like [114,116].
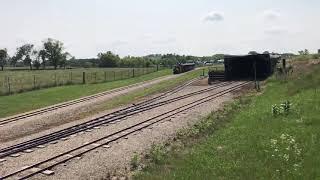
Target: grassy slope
[23,102]
[254,144]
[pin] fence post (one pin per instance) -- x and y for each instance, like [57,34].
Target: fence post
[55,79]
[70,77]
[34,81]
[95,77]
[105,76]
[133,72]
[9,85]
[157,67]
[83,77]
[114,75]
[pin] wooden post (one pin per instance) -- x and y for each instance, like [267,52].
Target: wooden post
[9,85]
[105,76]
[83,77]
[133,72]
[114,75]
[255,70]
[55,79]
[70,77]
[34,81]
[257,84]
[157,67]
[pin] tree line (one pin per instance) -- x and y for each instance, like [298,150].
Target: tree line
[51,53]
[109,59]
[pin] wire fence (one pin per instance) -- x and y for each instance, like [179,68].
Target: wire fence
[21,81]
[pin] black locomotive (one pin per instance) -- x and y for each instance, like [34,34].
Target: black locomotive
[181,68]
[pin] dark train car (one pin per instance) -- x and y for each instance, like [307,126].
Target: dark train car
[243,67]
[181,68]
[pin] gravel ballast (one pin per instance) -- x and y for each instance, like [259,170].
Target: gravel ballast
[115,159]
[65,115]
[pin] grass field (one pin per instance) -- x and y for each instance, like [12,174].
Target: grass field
[252,138]
[26,80]
[27,101]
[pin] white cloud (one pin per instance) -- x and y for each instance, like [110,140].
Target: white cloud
[165,41]
[213,16]
[271,15]
[276,31]
[146,36]
[118,43]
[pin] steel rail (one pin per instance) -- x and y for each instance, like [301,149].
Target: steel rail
[89,125]
[70,103]
[161,116]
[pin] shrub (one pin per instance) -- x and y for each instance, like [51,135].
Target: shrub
[283,108]
[134,161]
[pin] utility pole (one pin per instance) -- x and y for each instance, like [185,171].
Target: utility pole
[257,85]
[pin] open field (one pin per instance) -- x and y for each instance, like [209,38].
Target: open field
[27,101]
[251,138]
[26,80]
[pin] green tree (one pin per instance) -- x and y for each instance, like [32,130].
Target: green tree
[108,59]
[37,64]
[43,57]
[3,57]
[64,58]
[53,51]
[304,52]
[27,60]
[253,53]
[13,60]
[266,52]
[23,54]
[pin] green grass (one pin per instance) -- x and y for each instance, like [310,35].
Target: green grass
[27,101]
[246,141]
[27,80]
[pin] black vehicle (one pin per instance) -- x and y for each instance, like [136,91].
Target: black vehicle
[181,68]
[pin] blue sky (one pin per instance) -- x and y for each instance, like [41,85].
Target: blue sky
[141,27]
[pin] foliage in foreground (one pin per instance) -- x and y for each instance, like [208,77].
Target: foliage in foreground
[253,143]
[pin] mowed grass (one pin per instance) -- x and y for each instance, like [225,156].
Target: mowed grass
[246,141]
[27,80]
[18,103]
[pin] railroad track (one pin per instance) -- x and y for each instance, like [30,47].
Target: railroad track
[82,100]
[83,149]
[103,120]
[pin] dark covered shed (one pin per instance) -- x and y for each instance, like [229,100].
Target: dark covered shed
[243,67]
